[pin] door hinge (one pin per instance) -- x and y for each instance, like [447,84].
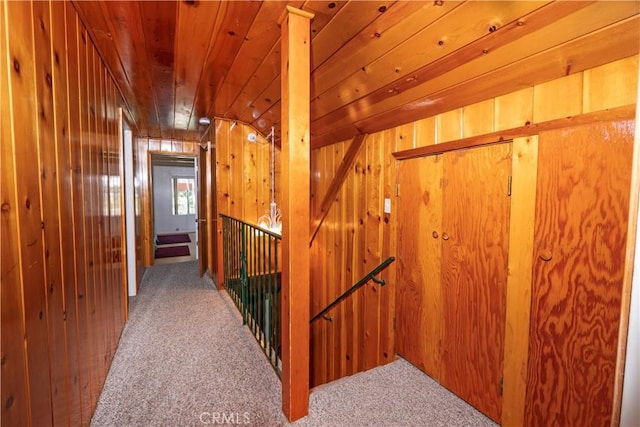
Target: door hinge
[397,190]
[394,323]
[509,182]
[501,385]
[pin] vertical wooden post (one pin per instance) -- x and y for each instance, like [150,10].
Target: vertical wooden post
[296,39]
[524,170]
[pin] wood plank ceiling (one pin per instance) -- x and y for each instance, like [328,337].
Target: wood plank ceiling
[376,64]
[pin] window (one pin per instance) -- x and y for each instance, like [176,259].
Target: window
[184,201]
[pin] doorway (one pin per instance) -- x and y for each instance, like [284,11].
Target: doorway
[174,201]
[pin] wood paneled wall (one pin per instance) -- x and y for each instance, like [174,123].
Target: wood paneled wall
[608,86]
[355,237]
[63,279]
[242,173]
[143,201]
[356,234]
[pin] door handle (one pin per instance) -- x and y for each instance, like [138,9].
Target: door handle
[200,220]
[546,255]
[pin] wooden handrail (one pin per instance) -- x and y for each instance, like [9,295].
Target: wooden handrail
[370,276]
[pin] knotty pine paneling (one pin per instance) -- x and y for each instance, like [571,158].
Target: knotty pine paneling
[514,109]
[66,197]
[406,136]
[143,147]
[48,151]
[389,247]
[87,229]
[242,173]
[29,209]
[92,206]
[354,238]
[384,70]
[371,294]
[62,299]
[15,397]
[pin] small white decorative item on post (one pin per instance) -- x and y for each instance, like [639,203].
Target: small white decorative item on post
[272,220]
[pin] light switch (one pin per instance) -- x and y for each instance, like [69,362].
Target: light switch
[387,206]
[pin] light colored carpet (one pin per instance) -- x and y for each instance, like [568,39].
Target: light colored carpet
[185,359]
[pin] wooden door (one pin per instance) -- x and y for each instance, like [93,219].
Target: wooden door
[475,240]
[418,301]
[582,204]
[202,211]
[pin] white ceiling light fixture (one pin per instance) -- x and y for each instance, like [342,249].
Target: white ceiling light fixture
[204,121]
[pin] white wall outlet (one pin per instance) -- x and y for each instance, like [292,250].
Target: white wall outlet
[387,206]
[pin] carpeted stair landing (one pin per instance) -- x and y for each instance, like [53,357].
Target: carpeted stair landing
[185,359]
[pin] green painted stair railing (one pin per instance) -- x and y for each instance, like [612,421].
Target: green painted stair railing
[252,280]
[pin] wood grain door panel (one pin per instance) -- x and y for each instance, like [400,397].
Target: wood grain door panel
[418,301]
[475,241]
[580,236]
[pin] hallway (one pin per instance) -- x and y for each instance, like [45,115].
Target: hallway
[185,359]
